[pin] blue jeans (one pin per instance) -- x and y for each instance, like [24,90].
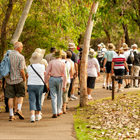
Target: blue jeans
[55,84]
[35,95]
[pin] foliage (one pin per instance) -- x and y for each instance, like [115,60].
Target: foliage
[107,119]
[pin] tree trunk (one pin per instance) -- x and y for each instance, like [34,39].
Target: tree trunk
[3,29]
[127,41]
[21,22]
[108,35]
[83,68]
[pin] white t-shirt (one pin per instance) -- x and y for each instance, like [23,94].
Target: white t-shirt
[126,54]
[33,78]
[68,67]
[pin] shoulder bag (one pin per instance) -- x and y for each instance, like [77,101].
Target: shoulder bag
[45,86]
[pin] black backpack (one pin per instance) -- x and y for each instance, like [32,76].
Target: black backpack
[130,59]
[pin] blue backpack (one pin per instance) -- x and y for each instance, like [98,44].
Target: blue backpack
[5,66]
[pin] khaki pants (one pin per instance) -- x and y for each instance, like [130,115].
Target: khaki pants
[136,73]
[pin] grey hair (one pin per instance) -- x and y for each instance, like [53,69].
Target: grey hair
[17,44]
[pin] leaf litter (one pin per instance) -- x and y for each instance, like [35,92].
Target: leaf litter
[118,119]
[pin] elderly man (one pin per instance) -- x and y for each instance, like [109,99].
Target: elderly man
[74,59]
[15,83]
[136,67]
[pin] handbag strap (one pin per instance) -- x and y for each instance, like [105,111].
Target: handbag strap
[37,74]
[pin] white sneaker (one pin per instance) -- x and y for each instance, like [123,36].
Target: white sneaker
[74,97]
[120,90]
[38,117]
[71,99]
[32,119]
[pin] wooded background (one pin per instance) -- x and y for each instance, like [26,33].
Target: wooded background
[56,22]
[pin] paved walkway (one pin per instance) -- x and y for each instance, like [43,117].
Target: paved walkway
[61,128]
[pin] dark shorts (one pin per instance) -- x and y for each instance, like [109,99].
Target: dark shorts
[17,90]
[99,60]
[91,82]
[119,72]
[108,67]
[130,70]
[70,88]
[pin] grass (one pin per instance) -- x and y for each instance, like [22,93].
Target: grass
[92,116]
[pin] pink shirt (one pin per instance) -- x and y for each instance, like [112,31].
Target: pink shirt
[56,68]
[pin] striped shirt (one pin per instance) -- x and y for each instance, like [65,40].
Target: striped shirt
[100,53]
[109,55]
[17,63]
[119,61]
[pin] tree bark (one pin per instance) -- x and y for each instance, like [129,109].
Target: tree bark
[83,68]
[127,41]
[3,29]
[21,22]
[108,35]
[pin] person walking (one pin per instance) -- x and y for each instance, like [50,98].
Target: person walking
[56,77]
[107,64]
[74,59]
[118,67]
[127,53]
[93,69]
[69,72]
[136,68]
[48,58]
[35,84]
[15,83]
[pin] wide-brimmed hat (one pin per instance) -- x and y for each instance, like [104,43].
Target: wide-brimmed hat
[135,45]
[52,49]
[58,54]
[36,58]
[64,53]
[92,53]
[111,46]
[103,45]
[42,51]
[71,45]
[99,45]
[125,46]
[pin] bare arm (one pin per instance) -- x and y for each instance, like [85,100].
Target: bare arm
[104,63]
[22,72]
[126,66]
[76,68]
[112,66]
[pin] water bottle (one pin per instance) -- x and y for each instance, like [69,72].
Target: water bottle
[127,73]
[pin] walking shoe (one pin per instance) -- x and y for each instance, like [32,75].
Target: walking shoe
[120,90]
[110,87]
[90,98]
[129,85]
[71,99]
[32,119]
[136,86]
[74,97]
[103,86]
[126,86]
[38,117]
[11,118]
[19,113]
[107,88]
[54,116]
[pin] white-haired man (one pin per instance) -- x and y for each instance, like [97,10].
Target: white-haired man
[15,83]
[136,68]
[74,59]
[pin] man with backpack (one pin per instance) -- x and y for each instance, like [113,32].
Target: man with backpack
[15,83]
[129,59]
[136,68]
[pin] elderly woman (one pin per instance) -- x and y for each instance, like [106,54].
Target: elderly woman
[118,66]
[35,85]
[107,64]
[56,70]
[93,69]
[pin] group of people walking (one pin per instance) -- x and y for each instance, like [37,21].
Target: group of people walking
[122,61]
[57,71]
